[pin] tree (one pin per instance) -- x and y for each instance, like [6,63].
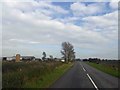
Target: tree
[68,52]
[44,56]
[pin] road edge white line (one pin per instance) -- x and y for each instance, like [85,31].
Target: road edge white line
[92,82]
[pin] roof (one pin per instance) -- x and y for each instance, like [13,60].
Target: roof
[26,56]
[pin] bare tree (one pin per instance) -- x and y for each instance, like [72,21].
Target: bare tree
[68,51]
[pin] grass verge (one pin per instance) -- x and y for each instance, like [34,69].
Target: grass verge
[47,80]
[105,68]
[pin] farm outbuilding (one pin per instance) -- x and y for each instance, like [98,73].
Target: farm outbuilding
[27,57]
[18,58]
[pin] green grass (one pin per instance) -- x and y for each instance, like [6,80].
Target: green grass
[47,80]
[105,68]
[32,74]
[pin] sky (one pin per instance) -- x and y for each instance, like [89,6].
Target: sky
[30,28]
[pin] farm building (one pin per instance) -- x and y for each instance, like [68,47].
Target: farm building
[27,58]
[18,58]
[4,58]
[8,58]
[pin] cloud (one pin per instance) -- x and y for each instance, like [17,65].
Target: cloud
[39,9]
[80,9]
[29,28]
[114,5]
[23,41]
[107,24]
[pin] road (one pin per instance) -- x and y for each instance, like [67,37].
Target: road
[82,75]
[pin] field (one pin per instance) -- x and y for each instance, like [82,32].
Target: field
[31,74]
[110,67]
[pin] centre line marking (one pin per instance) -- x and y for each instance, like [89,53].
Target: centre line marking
[84,69]
[92,82]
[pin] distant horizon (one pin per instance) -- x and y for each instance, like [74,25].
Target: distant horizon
[61,57]
[30,28]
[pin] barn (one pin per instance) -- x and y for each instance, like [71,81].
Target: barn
[27,58]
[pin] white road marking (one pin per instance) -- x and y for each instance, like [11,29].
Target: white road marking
[92,82]
[83,68]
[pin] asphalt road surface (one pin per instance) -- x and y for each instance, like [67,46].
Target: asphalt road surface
[82,75]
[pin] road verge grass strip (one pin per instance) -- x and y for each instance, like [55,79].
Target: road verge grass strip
[105,69]
[47,80]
